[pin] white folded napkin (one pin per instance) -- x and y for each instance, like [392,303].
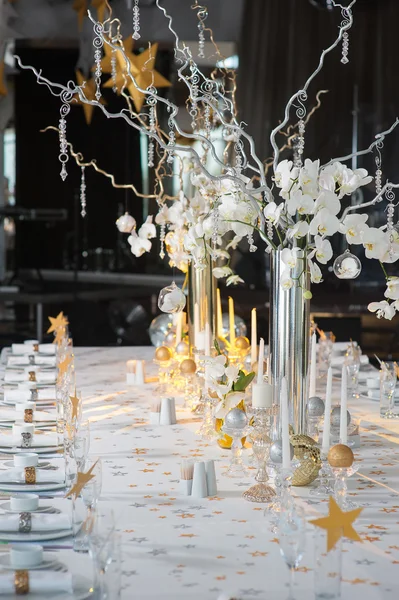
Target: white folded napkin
[23,361]
[38,441]
[338,361]
[40,582]
[12,376]
[40,522]
[28,349]
[42,476]
[47,393]
[39,416]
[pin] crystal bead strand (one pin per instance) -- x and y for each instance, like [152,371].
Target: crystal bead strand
[171,143]
[113,69]
[345,48]
[136,20]
[390,196]
[63,155]
[98,43]
[162,235]
[202,15]
[83,192]
[151,102]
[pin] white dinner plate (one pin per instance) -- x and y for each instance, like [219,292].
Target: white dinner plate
[49,562]
[6,506]
[37,424]
[38,536]
[82,589]
[36,487]
[43,402]
[37,450]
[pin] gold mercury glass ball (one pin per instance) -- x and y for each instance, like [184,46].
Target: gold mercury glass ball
[242,343]
[163,353]
[182,348]
[188,366]
[340,456]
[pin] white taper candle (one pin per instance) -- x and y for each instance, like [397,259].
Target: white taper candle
[254,337]
[313,367]
[327,414]
[260,360]
[343,426]
[285,433]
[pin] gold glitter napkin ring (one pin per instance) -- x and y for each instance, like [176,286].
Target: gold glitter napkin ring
[21,582]
[30,475]
[28,415]
[32,376]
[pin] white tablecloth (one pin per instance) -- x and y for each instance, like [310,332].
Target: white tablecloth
[179,548]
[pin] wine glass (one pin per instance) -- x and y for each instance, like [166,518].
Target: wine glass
[292,540]
[92,490]
[387,391]
[81,443]
[102,541]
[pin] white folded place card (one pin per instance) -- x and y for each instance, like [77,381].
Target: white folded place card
[24,502]
[26,556]
[39,522]
[40,582]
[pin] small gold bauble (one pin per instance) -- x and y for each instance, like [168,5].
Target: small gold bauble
[302,444]
[242,343]
[188,366]
[182,349]
[163,354]
[340,456]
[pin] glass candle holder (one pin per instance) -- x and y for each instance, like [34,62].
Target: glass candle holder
[341,488]
[260,438]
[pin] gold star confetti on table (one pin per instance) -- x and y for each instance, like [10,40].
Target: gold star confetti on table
[80,6]
[338,524]
[3,87]
[82,480]
[142,69]
[89,90]
[57,322]
[100,5]
[75,401]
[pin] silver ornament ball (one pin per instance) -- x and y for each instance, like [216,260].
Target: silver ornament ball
[315,407]
[236,419]
[335,418]
[276,452]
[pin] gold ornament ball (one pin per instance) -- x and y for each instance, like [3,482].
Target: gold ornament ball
[242,343]
[182,349]
[255,367]
[340,456]
[302,445]
[163,354]
[188,366]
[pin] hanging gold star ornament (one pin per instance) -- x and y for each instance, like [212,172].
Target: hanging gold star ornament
[101,6]
[142,69]
[89,90]
[3,87]
[338,524]
[58,322]
[80,6]
[106,62]
[82,480]
[75,402]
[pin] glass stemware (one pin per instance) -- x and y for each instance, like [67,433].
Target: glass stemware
[260,430]
[92,490]
[352,362]
[341,487]
[102,541]
[81,443]
[388,380]
[292,540]
[236,469]
[323,485]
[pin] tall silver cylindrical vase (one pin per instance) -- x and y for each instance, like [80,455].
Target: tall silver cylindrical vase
[201,300]
[289,337]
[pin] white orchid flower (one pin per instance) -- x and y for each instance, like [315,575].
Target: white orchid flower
[315,272]
[234,280]
[232,372]
[308,177]
[353,227]
[148,229]
[272,212]
[392,291]
[285,173]
[375,243]
[240,215]
[286,280]
[215,367]
[323,250]
[220,272]
[232,400]
[324,223]
[163,215]
[302,204]
[352,180]
[290,257]
[234,242]
[383,309]
[327,200]
[299,230]
[391,253]
[138,245]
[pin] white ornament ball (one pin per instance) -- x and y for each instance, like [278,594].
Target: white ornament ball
[126,223]
[236,419]
[315,407]
[347,266]
[335,419]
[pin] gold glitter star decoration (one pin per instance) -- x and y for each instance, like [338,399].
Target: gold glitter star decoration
[57,322]
[338,524]
[89,91]
[81,481]
[142,69]
[75,401]
[106,66]
[64,366]
[80,6]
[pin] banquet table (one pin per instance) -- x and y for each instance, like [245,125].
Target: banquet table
[177,547]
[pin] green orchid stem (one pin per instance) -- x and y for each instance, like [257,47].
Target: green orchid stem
[383,268]
[261,233]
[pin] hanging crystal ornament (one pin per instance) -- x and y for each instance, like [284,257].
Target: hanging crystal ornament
[83,192]
[63,156]
[171,299]
[126,223]
[347,266]
[98,43]
[136,20]
[151,102]
[300,140]
[345,37]
[172,140]
[193,96]
[113,70]
[378,163]
[390,196]
[202,16]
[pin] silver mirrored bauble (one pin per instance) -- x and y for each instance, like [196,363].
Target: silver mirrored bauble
[126,223]
[347,266]
[182,349]
[315,407]
[159,328]
[236,419]
[239,326]
[170,339]
[335,419]
[276,452]
[171,299]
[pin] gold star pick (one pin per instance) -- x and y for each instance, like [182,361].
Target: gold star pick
[89,91]
[80,6]
[75,401]
[82,479]
[100,5]
[59,336]
[63,366]
[3,87]
[57,322]
[338,524]
[142,69]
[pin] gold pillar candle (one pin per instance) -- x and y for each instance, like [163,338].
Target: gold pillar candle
[21,582]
